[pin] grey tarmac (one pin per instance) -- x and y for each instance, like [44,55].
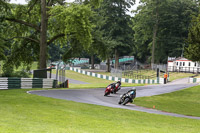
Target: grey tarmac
[96,96]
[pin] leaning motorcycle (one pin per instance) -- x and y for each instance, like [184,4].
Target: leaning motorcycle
[108,90]
[127,97]
[117,87]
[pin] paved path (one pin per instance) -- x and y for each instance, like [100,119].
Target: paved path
[95,96]
[180,81]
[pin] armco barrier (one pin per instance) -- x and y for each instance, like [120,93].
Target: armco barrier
[194,80]
[136,81]
[22,83]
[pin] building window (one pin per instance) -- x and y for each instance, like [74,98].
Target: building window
[183,63]
[195,64]
[177,63]
[180,63]
[189,64]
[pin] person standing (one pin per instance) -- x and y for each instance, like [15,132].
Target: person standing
[165,78]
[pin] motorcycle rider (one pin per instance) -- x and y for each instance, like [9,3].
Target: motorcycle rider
[118,83]
[132,92]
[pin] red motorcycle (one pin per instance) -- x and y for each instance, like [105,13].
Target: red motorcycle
[112,88]
[109,89]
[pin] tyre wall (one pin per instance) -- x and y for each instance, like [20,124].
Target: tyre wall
[22,83]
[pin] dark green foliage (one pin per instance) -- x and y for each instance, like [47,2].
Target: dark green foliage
[115,29]
[117,24]
[55,52]
[173,19]
[8,71]
[67,24]
[4,9]
[192,52]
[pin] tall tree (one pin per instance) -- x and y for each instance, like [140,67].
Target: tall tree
[167,21]
[193,48]
[117,26]
[3,11]
[40,23]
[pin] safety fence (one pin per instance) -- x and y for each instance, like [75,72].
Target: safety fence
[184,69]
[125,80]
[22,83]
[140,74]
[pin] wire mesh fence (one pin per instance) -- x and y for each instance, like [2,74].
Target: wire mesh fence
[61,76]
[140,74]
[135,74]
[116,73]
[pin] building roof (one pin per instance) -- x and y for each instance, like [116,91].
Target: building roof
[171,59]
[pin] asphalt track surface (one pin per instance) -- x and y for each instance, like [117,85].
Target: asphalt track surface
[96,96]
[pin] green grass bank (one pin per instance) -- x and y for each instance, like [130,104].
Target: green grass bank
[93,82]
[185,101]
[25,113]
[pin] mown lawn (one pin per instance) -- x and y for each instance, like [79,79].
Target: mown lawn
[185,101]
[26,113]
[175,75]
[197,76]
[93,82]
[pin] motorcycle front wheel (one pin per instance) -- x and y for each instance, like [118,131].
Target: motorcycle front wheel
[106,93]
[120,101]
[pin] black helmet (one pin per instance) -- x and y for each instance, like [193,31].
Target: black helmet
[119,81]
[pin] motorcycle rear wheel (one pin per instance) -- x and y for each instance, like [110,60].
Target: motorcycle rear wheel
[125,101]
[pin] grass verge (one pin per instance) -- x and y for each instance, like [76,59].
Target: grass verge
[93,82]
[185,101]
[175,75]
[25,113]
[197,76]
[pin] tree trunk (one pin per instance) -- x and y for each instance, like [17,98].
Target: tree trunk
[92,61]
[155,29]
[43,36]
[116,59]
[108,65]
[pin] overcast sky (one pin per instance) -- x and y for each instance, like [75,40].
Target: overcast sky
[24,2]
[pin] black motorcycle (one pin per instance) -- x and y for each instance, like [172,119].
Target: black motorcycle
[127,97]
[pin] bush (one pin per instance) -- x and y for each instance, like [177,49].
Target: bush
[19,74]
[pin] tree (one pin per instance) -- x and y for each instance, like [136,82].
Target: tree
[192,51]
[3,12]
[161,28]
[51,26]
[117,26]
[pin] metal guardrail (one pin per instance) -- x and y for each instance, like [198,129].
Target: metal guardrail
[184,69]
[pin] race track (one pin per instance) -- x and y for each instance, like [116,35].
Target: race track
[96,96]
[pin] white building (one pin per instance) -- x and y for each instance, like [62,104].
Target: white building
[182,64]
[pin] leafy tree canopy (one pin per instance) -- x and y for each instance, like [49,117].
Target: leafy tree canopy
[192,51]
[172,17]
[68,24]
